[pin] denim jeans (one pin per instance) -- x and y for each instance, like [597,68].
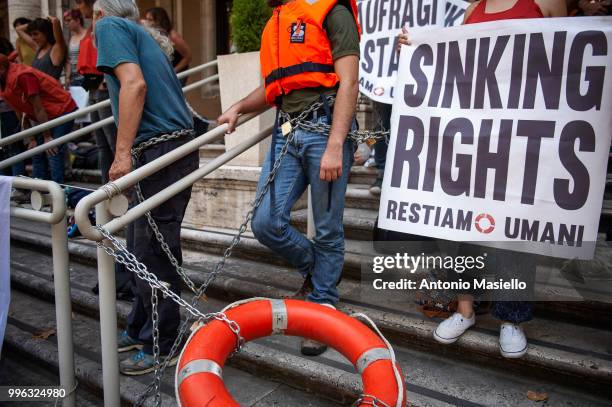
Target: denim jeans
[43,164]
[10,125]
[323,258]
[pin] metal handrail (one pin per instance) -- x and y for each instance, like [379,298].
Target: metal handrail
[86,110]
[57,201]
[48,192]
[129,180]
[82,132]
[100,199]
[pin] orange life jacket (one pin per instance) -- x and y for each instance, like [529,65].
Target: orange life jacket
[55,99]
[295,51]
[88,56]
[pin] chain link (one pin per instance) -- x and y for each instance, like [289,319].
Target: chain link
[123,256]
[155,317]
[369,400]
[358,136]
[162,242]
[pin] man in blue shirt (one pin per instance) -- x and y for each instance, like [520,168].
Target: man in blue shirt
[147,102]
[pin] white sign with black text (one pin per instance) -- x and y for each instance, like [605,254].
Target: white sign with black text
[501,133]
[381,21]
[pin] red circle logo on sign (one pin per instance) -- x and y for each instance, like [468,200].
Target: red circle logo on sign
[484,223]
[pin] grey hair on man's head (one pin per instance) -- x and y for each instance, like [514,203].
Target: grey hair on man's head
[128,9]
[120,8]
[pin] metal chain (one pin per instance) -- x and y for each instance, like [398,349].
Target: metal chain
[136,151]
[219,267]
[358,136]
[123,256]
[369,400]
[155,317]
[162,242]
[198,115]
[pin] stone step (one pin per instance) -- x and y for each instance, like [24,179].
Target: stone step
[432,380]
[576,309]
[358,196]
[211,151]
[558,350]
[21,369]
[214,241]
[31,315]
[359,174]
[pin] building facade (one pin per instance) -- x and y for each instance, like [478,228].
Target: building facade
[203,23]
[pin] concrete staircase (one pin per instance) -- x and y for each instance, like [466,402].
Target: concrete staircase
[569,358]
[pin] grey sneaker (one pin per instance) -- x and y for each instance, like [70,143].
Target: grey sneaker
[376,187]
[303,292]
[141,364]
[126,343]
[311,347]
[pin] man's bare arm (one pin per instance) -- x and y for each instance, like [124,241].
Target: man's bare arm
[131,104]
[347,69]
[254,102]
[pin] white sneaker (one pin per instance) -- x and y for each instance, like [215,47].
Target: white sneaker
[452,328]
[512,341]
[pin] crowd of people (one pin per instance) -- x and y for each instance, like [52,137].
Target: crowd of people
[63,50]
[130,65]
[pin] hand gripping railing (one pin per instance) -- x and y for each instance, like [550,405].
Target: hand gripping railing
[100,200]
[100,105]
[49,193]
[85,130]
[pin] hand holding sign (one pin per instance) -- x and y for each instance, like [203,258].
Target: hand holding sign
[403,39]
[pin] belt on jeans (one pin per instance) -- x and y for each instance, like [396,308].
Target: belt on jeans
[321,112]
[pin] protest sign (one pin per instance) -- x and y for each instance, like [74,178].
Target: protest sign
[381,21]
[501,133]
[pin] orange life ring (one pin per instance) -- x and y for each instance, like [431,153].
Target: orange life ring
[479,227]
[198,376]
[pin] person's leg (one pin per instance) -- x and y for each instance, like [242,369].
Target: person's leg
[147,249]
[10,126]
[451,329]
[328,210]
[510,307]
[4,151]
[40,165]
[57,161]
[271,220]
[382,113]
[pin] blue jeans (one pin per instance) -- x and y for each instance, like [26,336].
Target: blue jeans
[43,164]
[322,258]
[10,125]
